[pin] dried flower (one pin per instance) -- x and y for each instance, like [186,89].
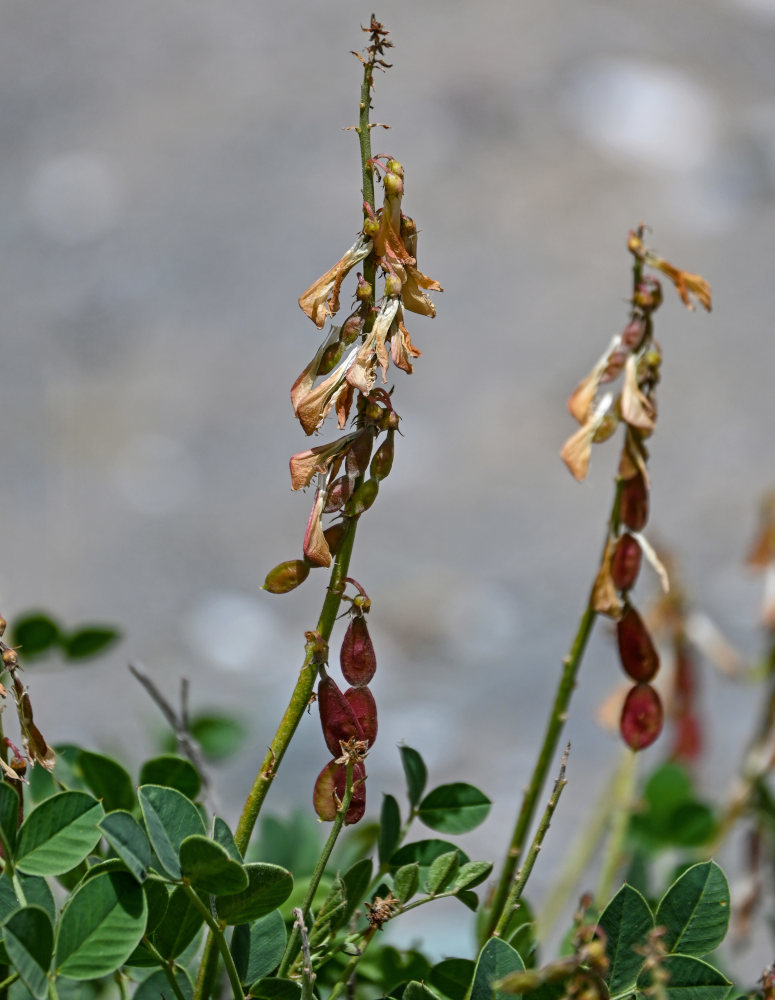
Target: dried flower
[577,449]
[321,299]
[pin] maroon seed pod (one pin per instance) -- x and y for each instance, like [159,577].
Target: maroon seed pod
[642,717]
[286,577]
[356,657]
[330,788]
[361,701]
[625,564]
[382,462]
[336,716]
[338,495]
[358,801]
[359,454]
[634,503]
[636,650]
[323,793]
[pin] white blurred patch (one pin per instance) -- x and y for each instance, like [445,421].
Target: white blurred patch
[246,632]
[155,474]
[75,198]
[639,111]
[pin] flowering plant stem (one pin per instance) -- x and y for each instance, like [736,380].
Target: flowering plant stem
[557,717]
[317,642]
[554,727]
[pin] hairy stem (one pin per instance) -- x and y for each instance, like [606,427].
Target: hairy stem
[216,932]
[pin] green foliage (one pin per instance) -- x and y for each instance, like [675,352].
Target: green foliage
[496,960]
[455,808]
[36,634]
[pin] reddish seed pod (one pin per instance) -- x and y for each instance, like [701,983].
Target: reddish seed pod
[361,701]
[338,494]
[330,788]
[636,650]
[336,716]
[625,564]
[634,503]
[359,454]
[356,657]
[642,717]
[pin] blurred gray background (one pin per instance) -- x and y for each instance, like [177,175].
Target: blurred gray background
[174,174]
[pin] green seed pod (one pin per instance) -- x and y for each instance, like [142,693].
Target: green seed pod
[393,285]
[286,577]
[382,462]
[363,498]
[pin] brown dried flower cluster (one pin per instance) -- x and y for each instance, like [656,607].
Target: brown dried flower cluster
[635,357]
[345,368]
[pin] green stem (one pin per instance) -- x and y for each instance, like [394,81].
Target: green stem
[167,969]
[9,981]
[621,792]
[120,981]
[557,718]
[52,990]
[295,938]
[576,863]
[352,965]
[514,896]
[220,940]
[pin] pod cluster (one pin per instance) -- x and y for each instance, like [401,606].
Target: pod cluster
[349,721]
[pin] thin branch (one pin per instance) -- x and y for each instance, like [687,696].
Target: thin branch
[179,724]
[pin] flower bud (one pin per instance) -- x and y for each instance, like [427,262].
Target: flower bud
[648,295]
[356,657]
[393,285]
[10,659]
[634,503]
[393,166]
[364,289]
[642,717]
[638,656]
[363,498]
[633,333]
[625,564]
[3,624]
[286,577]
[382,462]
[364,707]
[370,228]
[330,788]
[336,716]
